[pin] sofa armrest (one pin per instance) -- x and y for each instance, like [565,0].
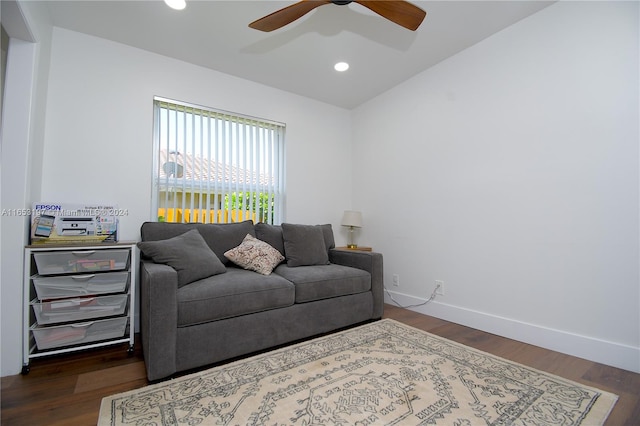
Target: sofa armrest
[367,261]
[158,318]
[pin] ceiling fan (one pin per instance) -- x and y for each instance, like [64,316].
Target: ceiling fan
[401,12]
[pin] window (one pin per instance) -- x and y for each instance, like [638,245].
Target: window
[216,167]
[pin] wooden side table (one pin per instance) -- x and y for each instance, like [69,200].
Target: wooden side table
[359,248]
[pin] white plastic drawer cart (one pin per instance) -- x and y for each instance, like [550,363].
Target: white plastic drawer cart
[78,297]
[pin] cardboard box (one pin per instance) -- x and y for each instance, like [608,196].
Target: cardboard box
[59,223]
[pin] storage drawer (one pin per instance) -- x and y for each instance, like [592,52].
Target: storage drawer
[80,285]
[75,334]
[69,262]
[79,309]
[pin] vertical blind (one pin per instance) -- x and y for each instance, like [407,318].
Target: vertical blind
[215,166]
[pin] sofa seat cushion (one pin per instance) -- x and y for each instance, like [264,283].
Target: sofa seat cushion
[237,292]
[317,282]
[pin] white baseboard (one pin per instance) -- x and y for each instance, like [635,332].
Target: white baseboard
[597,350]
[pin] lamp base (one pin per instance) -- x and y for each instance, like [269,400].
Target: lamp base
[352,246]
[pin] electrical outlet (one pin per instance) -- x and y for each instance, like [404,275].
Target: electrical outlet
[396,280]
[440,287]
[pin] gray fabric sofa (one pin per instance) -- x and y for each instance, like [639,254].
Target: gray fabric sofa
[189,321]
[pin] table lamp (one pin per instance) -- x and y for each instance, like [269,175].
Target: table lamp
[352,219]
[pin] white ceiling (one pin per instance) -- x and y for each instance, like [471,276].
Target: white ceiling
[297,58]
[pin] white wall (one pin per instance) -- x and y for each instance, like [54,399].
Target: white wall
[24,98]
[510,172]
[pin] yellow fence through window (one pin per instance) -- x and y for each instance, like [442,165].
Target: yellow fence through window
[200,215]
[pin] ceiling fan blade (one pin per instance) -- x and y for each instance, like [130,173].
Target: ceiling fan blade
[401,12]
[285,16]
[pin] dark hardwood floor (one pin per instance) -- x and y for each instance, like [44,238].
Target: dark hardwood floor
[67,390]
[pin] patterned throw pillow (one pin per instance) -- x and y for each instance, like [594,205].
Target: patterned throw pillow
[255,255]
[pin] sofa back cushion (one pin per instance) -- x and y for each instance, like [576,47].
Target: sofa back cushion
[220,237]
[307,244]
[327,232]
[272,234]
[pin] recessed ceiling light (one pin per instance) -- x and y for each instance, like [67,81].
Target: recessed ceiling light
[341,66]
[176,4]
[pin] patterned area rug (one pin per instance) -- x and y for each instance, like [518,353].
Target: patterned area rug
[382,373]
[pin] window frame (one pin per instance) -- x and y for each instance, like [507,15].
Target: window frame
[246,132]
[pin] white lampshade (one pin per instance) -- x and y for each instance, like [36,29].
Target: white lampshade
[352,218]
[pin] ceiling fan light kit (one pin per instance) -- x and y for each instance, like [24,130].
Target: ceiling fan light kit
[400,12]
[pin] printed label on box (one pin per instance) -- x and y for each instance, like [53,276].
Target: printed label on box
[82,223]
